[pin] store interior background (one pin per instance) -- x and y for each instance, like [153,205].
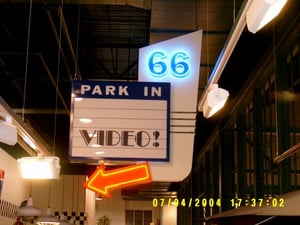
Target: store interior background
[233,151]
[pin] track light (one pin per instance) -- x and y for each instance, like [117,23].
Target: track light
[12,127]
[214,101]
[262,12]
[8,131]
[39,167]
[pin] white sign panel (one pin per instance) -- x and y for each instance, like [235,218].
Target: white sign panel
[177,61]
[120,120]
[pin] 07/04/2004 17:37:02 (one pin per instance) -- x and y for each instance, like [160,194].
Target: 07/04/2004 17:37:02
[211,202]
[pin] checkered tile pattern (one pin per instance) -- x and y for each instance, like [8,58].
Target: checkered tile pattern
[73,217]
[8,209]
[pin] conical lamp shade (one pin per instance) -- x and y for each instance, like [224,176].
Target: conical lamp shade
[29,210]
[48,219]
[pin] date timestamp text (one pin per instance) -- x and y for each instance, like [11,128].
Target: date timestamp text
[186,202]
[258,202]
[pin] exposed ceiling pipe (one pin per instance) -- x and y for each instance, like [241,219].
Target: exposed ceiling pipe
[51,21]
[294,149]
[51,77]
[233,37]
[67,35]
[61,97]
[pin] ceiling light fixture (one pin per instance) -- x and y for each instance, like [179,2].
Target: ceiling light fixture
[41,167]
[262,12]
[29,211]
[48,219]
[26,137]
[232,39]
[215,100]
[8,131]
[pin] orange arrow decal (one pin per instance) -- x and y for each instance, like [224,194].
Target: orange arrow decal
[102,181]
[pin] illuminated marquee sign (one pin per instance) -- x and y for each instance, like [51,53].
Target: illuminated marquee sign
[160,63]
[120,120]
[176,61]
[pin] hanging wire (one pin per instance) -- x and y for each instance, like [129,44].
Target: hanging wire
[27,60]
[77,40]
[196,14]
[57,80]
[234,12]
[63,193]
[30,188]
[49,194]
[62,220]
[73,194]
[207,44]
[275,91]
[77,200]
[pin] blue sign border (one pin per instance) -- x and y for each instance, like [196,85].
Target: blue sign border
[136,90]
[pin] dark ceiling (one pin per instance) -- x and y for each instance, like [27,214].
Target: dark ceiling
[44,47]
[97,42]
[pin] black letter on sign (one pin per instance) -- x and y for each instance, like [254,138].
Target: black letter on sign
[86,137]
[125,139]
[110,137]
[139,138]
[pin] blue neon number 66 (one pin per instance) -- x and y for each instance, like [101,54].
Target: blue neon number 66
[178,64]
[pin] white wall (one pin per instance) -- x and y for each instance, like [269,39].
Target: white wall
[15,189]
[115,207]
[90,207]
[169,215]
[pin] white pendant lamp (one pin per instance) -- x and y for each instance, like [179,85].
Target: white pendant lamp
[48,219]
[29,211]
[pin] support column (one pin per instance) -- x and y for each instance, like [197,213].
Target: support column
[241,156]
[283,126]
[227,168]
[258,143]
